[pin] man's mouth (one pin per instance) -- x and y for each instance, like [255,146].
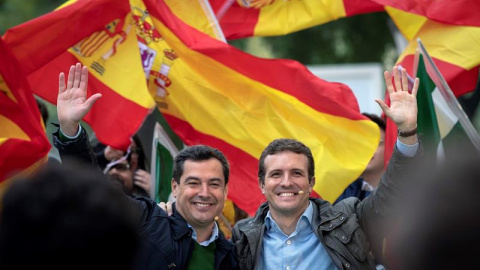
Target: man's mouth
[287,194]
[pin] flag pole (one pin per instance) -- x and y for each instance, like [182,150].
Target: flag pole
[448,95]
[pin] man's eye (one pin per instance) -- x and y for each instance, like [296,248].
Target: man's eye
[192,183]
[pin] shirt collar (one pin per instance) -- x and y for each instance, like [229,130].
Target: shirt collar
[208,241]
[308,214]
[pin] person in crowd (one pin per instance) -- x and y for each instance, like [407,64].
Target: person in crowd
[370,178]
[66,217]
[189,238]
[293,231]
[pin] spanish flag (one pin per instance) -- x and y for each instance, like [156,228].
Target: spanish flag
[100,34]
[23,142]
[245,18]
[211,93]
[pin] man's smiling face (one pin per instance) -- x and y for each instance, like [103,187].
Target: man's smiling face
[286,185]
[201,193]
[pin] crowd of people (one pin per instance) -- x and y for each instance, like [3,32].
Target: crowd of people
[72,216]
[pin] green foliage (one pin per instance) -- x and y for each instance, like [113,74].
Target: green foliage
[14,12]
[358,39]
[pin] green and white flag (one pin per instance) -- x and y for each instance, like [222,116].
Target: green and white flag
[164,151]
[444,126]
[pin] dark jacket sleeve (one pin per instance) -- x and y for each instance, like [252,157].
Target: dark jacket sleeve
[378,212]
[76,150]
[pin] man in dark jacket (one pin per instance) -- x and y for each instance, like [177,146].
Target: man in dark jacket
[293,231]
[190,238]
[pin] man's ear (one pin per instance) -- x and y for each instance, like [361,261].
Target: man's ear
[262,186]
[226,191]
[311,185]
[174,188]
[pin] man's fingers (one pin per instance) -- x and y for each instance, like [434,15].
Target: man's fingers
[78,75]
[169,208]
[91,100]
[388,82]
[382,105]
[61,83]
[71,75]
[397,79]
[415,87]
[404,80]
[84,79]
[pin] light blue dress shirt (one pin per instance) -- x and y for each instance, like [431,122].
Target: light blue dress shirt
[300,250]
[208,241]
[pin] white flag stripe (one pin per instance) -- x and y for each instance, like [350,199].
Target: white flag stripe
[446,119]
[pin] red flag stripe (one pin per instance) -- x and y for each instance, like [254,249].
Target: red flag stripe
[458,12]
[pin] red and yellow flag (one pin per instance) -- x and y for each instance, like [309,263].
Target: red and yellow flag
[23,142]
[101,35]
[211,93]
[245,18]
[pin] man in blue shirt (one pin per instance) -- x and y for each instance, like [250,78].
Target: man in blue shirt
[293,231]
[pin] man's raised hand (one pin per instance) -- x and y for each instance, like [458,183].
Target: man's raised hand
[403,104]
[72,102]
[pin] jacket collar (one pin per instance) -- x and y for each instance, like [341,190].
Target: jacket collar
[179,224]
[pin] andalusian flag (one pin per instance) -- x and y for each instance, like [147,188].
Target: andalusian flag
[444,126]
[211,93]
[245,18]
[23,142]
[100,34]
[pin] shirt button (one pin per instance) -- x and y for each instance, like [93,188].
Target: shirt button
[347,265]
[289,242]
[342,218]
[331,225]
[287,268]
[344,238]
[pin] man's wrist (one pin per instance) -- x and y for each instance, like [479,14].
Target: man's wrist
[65,137]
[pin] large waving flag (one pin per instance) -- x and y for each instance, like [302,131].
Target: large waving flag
[244,18]
[214,94]
[23,142]
[101,35]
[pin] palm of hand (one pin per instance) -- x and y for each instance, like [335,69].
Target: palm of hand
[403,107]
[72,104]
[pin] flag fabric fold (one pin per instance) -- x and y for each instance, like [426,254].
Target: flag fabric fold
[211,93]
[23,142]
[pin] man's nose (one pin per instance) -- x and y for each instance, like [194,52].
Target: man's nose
[204,190]
[286,180]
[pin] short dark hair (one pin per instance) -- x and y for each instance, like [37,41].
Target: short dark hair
[378,120]
[199,153]
[67,217]
[282,145]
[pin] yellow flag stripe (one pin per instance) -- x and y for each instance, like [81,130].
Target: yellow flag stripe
[314,12]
